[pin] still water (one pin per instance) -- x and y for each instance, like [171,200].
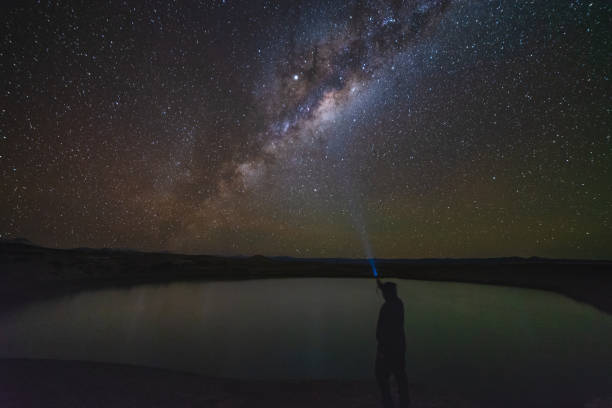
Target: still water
[476,339]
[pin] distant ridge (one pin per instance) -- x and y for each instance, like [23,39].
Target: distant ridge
[261,258]
[18,240]
[339,260]
[508,260]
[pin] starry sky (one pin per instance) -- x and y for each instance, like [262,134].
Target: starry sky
[378,128]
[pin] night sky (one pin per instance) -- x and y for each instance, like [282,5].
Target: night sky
[386,128]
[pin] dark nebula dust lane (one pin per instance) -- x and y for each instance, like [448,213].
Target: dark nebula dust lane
[387,128]
[314,85]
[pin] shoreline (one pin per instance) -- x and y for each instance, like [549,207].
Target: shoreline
[66,383]
[33,273]
[60,383]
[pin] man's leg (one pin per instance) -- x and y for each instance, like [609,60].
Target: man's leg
[402,385]
[383,372]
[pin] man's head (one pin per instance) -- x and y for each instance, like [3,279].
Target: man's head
[389,290]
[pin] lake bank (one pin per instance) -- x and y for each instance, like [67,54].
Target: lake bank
[55,383]
[30,272]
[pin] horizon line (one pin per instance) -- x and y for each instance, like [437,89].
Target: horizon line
[25,241]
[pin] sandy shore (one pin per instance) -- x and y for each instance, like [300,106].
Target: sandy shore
[53,383]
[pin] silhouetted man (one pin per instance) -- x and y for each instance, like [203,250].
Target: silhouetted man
[390,357]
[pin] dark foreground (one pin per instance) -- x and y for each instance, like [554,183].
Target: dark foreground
[53,383]
[29,273]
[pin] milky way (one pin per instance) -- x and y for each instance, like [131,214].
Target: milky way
[317,83]
[389,128]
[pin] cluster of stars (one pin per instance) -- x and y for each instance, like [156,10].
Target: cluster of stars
[433,128]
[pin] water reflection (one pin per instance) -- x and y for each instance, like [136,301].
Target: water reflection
[474,338]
